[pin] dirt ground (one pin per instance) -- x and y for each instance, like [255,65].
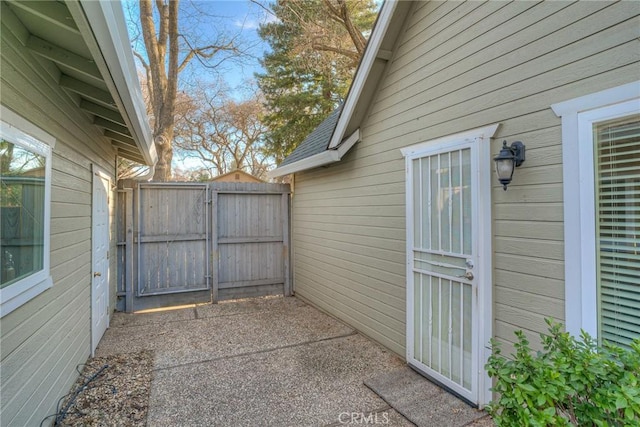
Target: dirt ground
[111,391]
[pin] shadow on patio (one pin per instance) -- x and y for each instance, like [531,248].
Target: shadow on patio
[271,361]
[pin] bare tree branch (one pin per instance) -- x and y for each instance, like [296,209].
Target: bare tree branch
[263,7]
[142,60]
[356,35]
[161,40]
[226,134]
[206,52]
[344,52]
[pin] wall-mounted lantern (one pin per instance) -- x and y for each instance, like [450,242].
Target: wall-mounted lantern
[509,158]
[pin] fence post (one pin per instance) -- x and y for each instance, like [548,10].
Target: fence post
[128,223]
[214,245]
[285,243]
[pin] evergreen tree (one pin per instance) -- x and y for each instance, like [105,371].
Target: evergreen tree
[315,48]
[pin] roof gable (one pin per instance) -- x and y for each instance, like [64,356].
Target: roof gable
[345,131]
[225,176]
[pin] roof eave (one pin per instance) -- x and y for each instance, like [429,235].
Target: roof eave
[321,159]
[377,54]
[102,25]
[317,160]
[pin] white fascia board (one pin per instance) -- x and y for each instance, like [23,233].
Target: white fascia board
[348,143]
[370,55]
[320,159]
[102,25]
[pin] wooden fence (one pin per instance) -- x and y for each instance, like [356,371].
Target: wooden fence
[188,243]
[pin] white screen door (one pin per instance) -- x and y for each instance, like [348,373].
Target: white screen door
[100,258]
[442,261]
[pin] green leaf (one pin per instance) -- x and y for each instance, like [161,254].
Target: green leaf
[541,400]
[572,379]
[527,387]
[621,402]
[628,413]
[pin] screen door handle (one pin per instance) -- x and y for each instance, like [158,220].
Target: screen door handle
[468,275]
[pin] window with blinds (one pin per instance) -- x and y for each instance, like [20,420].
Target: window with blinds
[617,160]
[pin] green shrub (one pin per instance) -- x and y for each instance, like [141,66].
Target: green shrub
[572,382]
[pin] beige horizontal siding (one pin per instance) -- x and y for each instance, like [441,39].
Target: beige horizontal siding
[42,341]
[383,232]
[394,224]
[24,364]
[332,254]
[64,225]
[459,66]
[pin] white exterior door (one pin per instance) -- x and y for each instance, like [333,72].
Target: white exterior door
[443,264]
[100,258]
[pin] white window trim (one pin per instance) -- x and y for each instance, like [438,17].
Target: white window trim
[21,132]
[578,116]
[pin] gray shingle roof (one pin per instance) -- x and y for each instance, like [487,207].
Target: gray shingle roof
[317,141]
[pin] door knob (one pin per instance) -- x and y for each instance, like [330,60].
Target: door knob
[468,275]
[97,274]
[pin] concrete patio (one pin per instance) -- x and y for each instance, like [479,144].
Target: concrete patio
[263,362]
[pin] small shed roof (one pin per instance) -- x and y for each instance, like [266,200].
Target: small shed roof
[330,141]
[88,43]
[225,176]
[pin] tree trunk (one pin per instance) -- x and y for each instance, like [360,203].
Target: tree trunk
[163,85]
[356,35]
[162,170]
[160,33]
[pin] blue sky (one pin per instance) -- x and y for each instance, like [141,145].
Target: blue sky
[245,16]
[233,17]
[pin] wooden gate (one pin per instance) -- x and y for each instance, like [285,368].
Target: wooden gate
[251,239]
[184,243]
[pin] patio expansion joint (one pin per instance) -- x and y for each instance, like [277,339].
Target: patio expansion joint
[164,322]
[196,317]
[217,316]
[474,422]
[267,350]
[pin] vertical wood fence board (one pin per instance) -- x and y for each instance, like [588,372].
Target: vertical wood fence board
[120,242]
[214,246]
[168,261]
[125,250]
[286,249]
[230,238]
[128,223]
